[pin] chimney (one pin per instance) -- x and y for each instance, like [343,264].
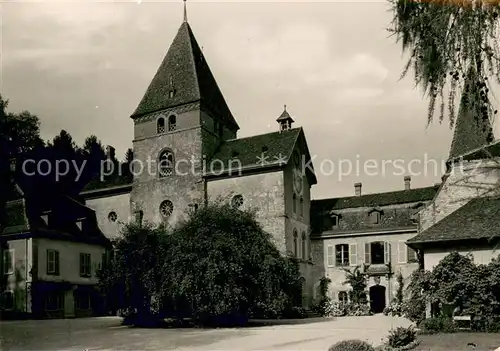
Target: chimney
[357,189]
[110,152]
[407,182]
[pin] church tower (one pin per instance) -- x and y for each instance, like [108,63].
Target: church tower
[180,122]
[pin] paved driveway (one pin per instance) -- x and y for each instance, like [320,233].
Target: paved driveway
[107,334]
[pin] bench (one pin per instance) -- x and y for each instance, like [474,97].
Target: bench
[463,320]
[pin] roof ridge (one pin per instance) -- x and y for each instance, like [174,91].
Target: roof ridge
[373,194]
[257,135]
[191,53]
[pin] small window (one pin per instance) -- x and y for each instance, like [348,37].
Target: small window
[237,201]
[342,255]
[8,300]
[304,246]
[83,301]
[54,301]
[412,255]
[376,252]
[375,217]
[294,205]
[112,216]
[160,125]
[138,217]
[166,164]
[172,123]
[295,243]
[52,262]
[234,153]
[335,221]
[301,207]
[8,261]
[193,207]
[343,298]
[85,265]
[265,148]
[166,209]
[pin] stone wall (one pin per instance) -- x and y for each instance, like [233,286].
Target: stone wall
[183,188]
[465,182]
[103,206]
[263,192]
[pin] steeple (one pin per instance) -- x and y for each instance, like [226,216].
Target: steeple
[285,120]
[184,77]
[185,12]
[472,130]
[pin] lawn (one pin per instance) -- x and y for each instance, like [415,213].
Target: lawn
[459,342]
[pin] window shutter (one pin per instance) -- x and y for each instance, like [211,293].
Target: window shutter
[56,262]
[368,256]
[353,254]
[331,256]
[387,252]
[401,252]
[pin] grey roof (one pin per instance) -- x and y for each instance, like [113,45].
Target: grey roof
[478,219]
[185,71]
[472,130]
[377,199]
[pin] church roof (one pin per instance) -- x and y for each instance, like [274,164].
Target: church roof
[478,219]
[255,152]
[472,131]
[375,200]
[184,71]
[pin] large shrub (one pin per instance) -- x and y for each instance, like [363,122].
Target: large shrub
[351,345]
[217,267]
[357,280]
[437,325]
[401,337]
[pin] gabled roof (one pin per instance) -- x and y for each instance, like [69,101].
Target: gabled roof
[184,71]
[257,152]
[376,200]
[478,219]
[472,131]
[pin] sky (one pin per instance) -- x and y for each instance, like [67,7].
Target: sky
[84,66]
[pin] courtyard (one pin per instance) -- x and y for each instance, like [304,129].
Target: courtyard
[106,333]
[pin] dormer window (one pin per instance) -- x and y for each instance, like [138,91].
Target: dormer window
[79,223]
[234,153]
[335,221]
[160,125]
[374,217]
[172,123]
[265,148]
[45,217]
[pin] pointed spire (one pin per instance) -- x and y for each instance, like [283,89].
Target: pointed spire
[184,77]
[472,130]
[185,12]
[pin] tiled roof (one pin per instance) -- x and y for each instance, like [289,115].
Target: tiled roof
[275,148]
[471,131]
[478,219]
[484,152]
[374,200]
[185,71]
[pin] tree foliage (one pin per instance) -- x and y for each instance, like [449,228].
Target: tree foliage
[454,48]
[357,280]
[218,266]
[456,281]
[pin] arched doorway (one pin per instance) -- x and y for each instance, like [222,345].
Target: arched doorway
[377,298]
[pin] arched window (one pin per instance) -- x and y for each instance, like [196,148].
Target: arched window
[160,125]
[172,123]
[295,243]
[166,209]
[304,246]
[301,207]
[294,204]
[343,297]
[166,164]
[237,201]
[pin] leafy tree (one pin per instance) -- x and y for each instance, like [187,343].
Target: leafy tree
[452,44]
[357,280]
[217,267]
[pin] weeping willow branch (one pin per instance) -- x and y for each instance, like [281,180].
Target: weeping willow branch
[454,51]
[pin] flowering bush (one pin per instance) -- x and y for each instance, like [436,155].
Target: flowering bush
[357,309]
[401,337]
[337,309]
[351,345]
[394,309]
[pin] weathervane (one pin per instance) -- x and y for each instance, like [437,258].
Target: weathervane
[185,12]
